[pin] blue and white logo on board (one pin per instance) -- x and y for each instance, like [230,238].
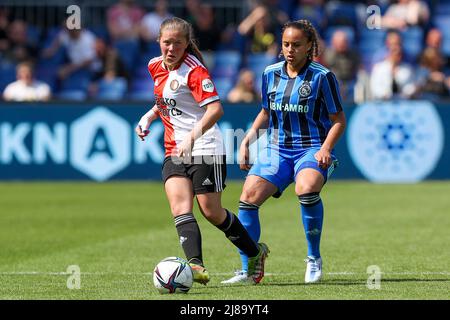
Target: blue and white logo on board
[100,144]
[396,141]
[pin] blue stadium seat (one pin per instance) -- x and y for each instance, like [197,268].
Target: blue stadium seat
[112,90]
[412,39]
[442,8]
[33,34]
[371,41]
[100,31]
[46,68]
[8,75]
[442,22]
[446,46]
[79,80]
[227,64]
[340,13]
[76,95]
[257,63]
[314,13]
[128,51]
[223,87]
[142,89]
[140,69]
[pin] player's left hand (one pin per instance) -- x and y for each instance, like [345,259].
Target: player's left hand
[323,158]
[184,150]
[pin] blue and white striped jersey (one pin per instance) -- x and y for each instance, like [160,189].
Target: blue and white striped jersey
[300,107]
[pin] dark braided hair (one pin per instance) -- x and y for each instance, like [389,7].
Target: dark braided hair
[186,28]
[310,33]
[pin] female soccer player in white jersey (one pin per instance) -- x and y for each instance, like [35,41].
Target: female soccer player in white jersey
[301,107]
[194,164]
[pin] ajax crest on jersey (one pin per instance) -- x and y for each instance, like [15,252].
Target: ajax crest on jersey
[305,89]
[173,275]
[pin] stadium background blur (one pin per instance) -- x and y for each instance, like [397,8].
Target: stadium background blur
[233,36]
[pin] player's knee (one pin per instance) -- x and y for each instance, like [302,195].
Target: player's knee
[249,196]
[180,208]
[304,187]
[212,212]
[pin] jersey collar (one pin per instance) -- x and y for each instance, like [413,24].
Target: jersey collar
[302,70]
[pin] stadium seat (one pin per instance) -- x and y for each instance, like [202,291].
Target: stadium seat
[112,90]
[76,95]
[142,89]
[227,64]
[257,63]
[8,72]
[340,13]
[100,31]
[442,8]
[446,45]
[412,39]
[442,22]
[79,80]
[128,51]
[47,68]
[33,34]
[223,87]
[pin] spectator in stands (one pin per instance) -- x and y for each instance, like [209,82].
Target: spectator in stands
[123,20]
[4,23]
[434,40]
[392,78]
[80,48]
[151,22]
[393,39]
[108,66]
[26,88]
[343,61]
[20,48]
[406,13]
[261,26]
[244,90]
[433,83]
[206,31]
[192,9]
[312,10]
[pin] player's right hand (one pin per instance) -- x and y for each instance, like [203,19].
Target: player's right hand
[244,156]
[141,133]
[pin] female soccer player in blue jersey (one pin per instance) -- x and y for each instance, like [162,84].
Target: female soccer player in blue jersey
[301,107]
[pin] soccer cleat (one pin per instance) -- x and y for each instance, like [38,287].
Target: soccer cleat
[201,275]
[240,276]
[256,264]
[313,269]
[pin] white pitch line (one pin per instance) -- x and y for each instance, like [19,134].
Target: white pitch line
[342,273]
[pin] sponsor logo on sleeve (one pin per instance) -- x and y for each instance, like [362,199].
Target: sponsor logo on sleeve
[207,85]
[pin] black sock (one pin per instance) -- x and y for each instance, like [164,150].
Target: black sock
[236,233]
[190,237]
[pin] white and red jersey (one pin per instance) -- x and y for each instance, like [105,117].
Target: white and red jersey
[181,95]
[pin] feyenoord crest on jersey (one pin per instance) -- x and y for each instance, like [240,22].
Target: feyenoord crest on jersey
[174,84]
[305,89]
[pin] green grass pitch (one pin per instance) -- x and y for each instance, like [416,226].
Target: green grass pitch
[117,232]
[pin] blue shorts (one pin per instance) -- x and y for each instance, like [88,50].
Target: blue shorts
[280,166]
